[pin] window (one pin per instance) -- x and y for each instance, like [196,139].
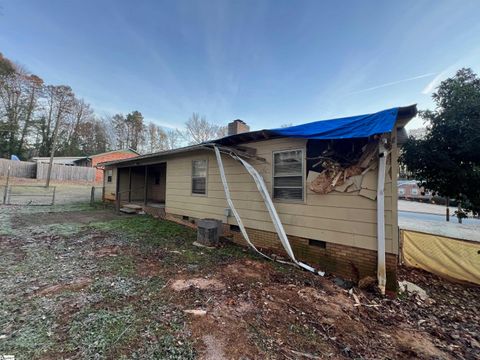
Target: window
[157,179]
[288,175]
[414,191]
[401,191]
[199,177]
[109,176]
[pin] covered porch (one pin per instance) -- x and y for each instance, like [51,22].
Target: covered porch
[143,185]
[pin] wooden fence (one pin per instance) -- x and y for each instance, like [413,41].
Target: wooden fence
[64,172]
[22,169]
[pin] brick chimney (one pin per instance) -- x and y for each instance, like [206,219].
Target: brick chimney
[237,127]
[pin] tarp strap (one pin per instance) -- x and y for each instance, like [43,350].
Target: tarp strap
[262,188]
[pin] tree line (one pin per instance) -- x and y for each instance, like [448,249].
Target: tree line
[36,117]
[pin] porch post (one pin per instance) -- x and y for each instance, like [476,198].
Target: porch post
[117,191]
[129,184]
[145,186]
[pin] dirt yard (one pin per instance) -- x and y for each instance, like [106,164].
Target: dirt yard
[82,283]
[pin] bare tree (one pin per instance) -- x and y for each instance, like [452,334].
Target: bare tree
[11,96]
[199,130]
[81,114]
[135,129]
[120,130]
[173,139]
[156,138]
[63,102]
[35,119]
[34,89]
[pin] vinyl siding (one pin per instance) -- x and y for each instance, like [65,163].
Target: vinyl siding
[342,218]
[110,186]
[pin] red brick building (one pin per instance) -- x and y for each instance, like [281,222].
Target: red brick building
[409,190]
[93,160]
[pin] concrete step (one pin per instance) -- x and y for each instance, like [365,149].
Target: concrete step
[133,206]
[128,210]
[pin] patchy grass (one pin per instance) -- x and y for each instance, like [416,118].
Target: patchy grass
[83,283]
[34,335]
[119,313]
[96,332]
[123,265]
[152,231]
[5,225]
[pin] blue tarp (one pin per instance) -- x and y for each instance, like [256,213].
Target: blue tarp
[343,128]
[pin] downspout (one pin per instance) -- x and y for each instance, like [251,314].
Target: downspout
[381,272]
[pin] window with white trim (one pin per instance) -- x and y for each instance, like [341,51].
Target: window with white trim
[109,176]
[414,191]
[199,177]
[288,180]
[401,191]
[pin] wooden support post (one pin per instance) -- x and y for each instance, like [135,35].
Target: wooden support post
[448,209]
[53,195]
[92,196]
[129,184]
[117,202]
[6,186]
[145,186]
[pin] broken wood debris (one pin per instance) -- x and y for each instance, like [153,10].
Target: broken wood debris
[349,178]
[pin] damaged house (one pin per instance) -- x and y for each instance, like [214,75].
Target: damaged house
[323,194]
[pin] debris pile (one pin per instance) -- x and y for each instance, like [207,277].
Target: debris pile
[346,176]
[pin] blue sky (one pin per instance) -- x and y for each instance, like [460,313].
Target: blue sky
[266,62]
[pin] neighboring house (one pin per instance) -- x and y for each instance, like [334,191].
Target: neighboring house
[409,190]
[94,160]
[418,133]
[330,213]
[58,160]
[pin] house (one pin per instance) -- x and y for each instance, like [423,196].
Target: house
[308,191]
[409,190]
[58,160]
[94,160]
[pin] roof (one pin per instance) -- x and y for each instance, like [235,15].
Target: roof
[36,158]
[154,155]
[109,152]
[333,129]
[359,126]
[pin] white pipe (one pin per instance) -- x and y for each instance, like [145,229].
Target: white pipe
[381,272]
[262,188]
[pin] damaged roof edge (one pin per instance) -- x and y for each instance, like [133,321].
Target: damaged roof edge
[403,116]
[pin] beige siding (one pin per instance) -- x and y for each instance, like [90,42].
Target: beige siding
[110,186]
[343,218]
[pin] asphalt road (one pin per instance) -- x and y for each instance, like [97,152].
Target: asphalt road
[411,215]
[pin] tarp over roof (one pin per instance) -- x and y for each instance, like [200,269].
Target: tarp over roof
[343,128]
[351,127]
